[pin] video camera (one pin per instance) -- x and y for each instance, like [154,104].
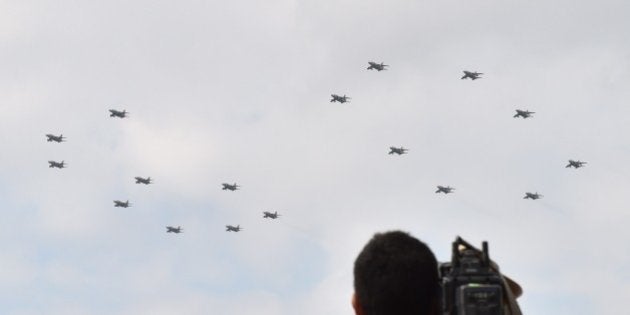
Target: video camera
[473,285]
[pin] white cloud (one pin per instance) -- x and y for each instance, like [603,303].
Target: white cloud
[238,92]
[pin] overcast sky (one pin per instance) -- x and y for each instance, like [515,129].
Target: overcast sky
[238,91]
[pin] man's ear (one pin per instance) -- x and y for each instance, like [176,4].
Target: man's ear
[355,304]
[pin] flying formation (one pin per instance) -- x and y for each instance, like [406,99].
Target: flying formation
[377,66]
[53,138]
[340,99]
[176,230]
[575,164]
[117,113]
[523,113]
[122,204]
[472,75]
[54,164]
[231,228]
[141,180]
[231,187]
[532,196]
[444,189]
[335,98]
[399,151]
[267,214]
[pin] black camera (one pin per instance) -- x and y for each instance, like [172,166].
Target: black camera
[473,285]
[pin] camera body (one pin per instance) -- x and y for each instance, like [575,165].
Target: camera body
[471,284]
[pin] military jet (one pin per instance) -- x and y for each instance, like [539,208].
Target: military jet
[231,187]
[121,204]
[53,164]
[140,180]
[267,214]
[575,164]
[117,113]
[340,99]
[523,113]
[378,66]
[231,228]
[398,151]
[54,138]
[472,75]
[446,190]
[176,230]
[532,196]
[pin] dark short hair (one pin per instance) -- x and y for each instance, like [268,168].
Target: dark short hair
[396,274]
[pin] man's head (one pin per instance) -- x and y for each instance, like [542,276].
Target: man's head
[396,274]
